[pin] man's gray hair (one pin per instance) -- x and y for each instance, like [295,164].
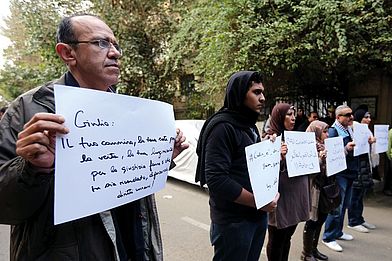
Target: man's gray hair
[340,108]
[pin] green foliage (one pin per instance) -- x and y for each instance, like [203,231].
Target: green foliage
[308,43]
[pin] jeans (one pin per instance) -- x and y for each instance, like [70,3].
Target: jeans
[355,210]
[238,241]
[335,219]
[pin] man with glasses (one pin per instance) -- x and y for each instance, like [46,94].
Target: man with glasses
[334,223]
[129,232]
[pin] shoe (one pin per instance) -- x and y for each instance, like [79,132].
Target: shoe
[359,228]
[307,258]
[368,225]
[333,245]
[318,255]
[346,237]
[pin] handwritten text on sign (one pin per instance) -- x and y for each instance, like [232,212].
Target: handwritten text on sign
[361,139]
[118,150]
[263,161]
[302,156]
[336,158]
[381,135]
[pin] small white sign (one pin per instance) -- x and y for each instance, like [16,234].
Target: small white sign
[361,135]
[381,135]
[118,150]
[302,156]
[263,161]
[336,158]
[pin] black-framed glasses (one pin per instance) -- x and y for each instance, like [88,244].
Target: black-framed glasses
[349,114]
[102,43]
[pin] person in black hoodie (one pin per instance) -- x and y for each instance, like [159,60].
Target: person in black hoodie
[237,227]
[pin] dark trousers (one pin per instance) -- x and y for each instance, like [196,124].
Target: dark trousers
[355,211]
[238,241]
[279,242]
[311,234]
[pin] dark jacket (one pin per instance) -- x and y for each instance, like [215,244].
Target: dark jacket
[221,150]
[364,178]
[27,196]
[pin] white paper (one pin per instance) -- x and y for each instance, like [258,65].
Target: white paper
[361,135]
[118,150]
[302,156]
[381,135]
[263,160]
[336,158]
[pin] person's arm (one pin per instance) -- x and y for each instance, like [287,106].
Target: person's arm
[26,172]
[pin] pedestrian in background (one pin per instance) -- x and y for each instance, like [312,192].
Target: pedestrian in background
[237,227]
[294,202]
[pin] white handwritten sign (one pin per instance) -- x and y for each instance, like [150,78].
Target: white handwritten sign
[301,157]
[118,150]
[263,161]
[361,135]
[336,158]
[381,135]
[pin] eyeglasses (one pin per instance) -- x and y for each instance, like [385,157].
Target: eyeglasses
[102,43]
[349,114]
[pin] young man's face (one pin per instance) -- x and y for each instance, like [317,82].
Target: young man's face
[254,98]
[95,67]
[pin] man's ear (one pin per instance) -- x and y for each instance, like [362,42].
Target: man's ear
[66,53]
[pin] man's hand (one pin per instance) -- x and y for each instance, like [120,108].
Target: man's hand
[179,144]
[270,207]
[350,146]
[36,143]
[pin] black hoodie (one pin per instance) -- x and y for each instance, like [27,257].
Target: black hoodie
[221,150]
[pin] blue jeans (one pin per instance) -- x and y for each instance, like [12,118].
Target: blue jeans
[355,210]
[335,219]
[238,241]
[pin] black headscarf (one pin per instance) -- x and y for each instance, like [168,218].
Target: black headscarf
[233,111]
[359,114]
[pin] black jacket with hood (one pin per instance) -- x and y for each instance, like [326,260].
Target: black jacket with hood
[221,150]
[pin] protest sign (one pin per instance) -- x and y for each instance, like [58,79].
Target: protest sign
[361,139]
[118,150]
[263,160]
[381,135]
[336,158]
[302,156]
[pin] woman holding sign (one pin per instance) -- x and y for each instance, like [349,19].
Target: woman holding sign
[319,211]
[294,202]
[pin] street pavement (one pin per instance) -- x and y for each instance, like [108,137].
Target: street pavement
[184,217]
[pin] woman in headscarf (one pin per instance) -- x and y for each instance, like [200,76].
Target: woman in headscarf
[294,202]
[363,181]
[313,226]
[237,227]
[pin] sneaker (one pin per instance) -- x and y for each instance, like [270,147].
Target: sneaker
[368,225]
[359,228]
[333,245]
[346,237]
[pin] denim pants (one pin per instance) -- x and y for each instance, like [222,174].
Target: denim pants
[335,219]
[238,241]
[355,210]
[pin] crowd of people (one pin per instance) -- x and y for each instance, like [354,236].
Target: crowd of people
[90,51]
[237,230]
